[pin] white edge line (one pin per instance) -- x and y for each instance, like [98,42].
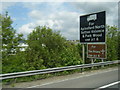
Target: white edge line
[105,86]
[70,79]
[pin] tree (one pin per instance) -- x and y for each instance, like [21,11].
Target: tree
[10,40]
[118,44]
[44,44]
[112,43]
[49,49]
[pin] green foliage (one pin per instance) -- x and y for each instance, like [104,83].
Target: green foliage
[112,43]
[14,63]
[10,42]
[48,49]
[118,50]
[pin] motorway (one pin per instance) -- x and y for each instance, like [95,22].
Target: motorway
[94,79]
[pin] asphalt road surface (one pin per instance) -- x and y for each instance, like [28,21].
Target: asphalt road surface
[94,80]
[106,78]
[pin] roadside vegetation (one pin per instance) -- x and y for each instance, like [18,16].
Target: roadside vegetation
[46,49]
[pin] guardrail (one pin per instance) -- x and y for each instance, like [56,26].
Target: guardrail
[51,70]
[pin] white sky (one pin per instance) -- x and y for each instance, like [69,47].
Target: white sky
[58,15]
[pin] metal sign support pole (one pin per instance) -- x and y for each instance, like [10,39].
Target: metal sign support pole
[83,55]
[92,61]
[102,61]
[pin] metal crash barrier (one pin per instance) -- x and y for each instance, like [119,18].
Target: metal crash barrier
[51,70]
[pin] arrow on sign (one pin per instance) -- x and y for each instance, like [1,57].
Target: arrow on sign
[102,51]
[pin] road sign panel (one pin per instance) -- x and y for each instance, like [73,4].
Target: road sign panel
[92,27]
[96,51]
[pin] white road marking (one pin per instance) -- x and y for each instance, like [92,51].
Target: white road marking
[105,86]
[70,79]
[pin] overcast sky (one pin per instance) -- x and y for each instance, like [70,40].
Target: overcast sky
[60,16]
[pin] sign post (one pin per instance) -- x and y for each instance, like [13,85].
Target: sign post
[92,61]
[92,30]
[83,54]
[102,61]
